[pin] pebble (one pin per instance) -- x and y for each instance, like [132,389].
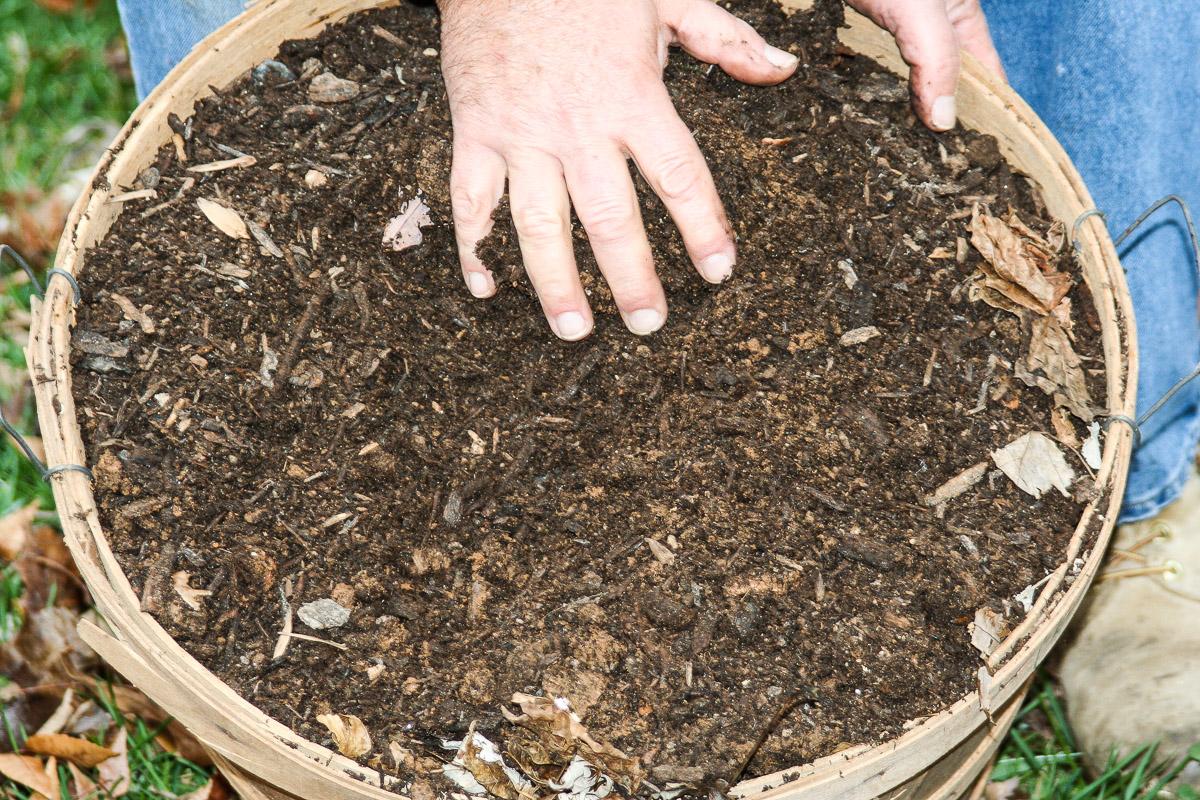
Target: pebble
[323,614]
[271,68]
[329,88]
[745,619]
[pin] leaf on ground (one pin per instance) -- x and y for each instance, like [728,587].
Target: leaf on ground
[58,720]
[987,631]
[28,772]
[112,775]
[478,765]
[78,751]
[1035,464]
[557,725]
[224,218]
[186,593]
[85,787]
[1018,263]
[349,734]
[956,485]
[1051,353]
[16,528]
[404,230]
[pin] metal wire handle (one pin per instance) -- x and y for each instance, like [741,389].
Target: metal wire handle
[1137,424]
[46,472]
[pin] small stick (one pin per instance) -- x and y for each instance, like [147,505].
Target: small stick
[789,703]
[298,336]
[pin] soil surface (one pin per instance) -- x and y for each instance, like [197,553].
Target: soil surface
[702,538]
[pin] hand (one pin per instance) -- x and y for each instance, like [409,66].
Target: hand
[557,96]
[929,34]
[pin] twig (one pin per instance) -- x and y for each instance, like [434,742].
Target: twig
[790,703]
[307,319]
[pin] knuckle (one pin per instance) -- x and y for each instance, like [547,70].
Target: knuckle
[470,205]
[679,177]
[608,219]
[539,223]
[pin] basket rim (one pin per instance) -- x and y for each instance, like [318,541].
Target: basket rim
[196,696]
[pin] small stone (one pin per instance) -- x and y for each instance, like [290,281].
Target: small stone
[315,179]
[430,51]
[745,619]
[329,88]
[275,72]
[323,614]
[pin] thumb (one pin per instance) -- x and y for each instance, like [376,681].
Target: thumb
[929,44]
[711,34]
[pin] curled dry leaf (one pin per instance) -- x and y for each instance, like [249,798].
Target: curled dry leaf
[226,220]
[1018,263]
[349,734]
[1051,353]
[1035,464]
[78,751]
[478,768]
[404,230]
[186,593]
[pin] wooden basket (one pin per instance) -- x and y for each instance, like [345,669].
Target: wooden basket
[940,757]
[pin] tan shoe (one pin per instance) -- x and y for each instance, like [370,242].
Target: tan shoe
[1131,666]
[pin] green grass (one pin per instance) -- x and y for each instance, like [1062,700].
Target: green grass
[1042,754]
[56,84]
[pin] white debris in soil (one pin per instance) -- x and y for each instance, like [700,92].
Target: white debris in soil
[404,230]
[323,614]
[582,781]
[1091,446]
[487,752]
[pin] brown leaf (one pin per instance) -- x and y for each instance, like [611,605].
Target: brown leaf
[1018,266]
[85,787]
[349,734]
[16,528]
[224,218]
[78,751]
[28,772]
[490,771]
[112,774]
[1051,353]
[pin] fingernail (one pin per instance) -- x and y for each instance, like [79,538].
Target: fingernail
[780,58]
[717,268]
[943,113]
[480,284]
[644,321]
[571,325]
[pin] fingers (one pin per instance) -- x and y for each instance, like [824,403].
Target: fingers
[973,35]
[606,203]
[541,212]
[476,184]
[710,33]
[673,165]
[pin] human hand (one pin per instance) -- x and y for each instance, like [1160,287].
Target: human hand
[557,96]
[930,34]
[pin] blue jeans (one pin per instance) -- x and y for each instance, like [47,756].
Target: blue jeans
[1118,83]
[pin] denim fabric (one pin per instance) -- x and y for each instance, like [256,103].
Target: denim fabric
[1119,85]
[1117,82]
[162,32]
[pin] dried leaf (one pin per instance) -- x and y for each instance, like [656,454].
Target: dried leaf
[16,529]
[987,631]
[479,768]
[61,715]
[78,751]
[186,593]
[1051,353]
[1064,431]
[28,772]
[404,231]
[226,220]
[1018,265]
[349,734]
[582,781]
[956,485]
[1035,464]
[112,775]
[85,787]
[134,313]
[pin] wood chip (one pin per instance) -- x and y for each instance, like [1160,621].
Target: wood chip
[190,596]
[229,163]
[224,218]
[987,631]
[956,485]
[858,336]
[133,313]
[140,194]
[661,552]
[388,36]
